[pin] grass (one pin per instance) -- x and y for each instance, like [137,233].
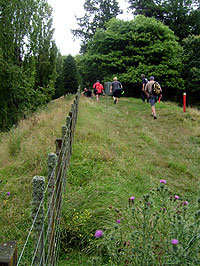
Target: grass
[23,153]
[119,151]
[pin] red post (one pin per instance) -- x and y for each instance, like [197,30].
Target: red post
[184,101]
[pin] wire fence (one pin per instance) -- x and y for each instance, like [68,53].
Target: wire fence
[43,241]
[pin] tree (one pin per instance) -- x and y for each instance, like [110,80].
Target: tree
[69,75]
[26,51]
[191,70]
[179,15]
[98,12]
[129,48]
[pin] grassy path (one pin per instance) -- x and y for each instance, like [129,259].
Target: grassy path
[121,151]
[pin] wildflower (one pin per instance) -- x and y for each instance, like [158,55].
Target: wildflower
[148,203]
[122,218]
[8,193]
[132,198]
[118,221]
[98,233]
[176,197]
[185,203]
[174,241]
[163,181]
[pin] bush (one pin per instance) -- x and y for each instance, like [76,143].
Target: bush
[157,229]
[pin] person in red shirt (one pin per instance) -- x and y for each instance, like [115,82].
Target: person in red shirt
[98,89]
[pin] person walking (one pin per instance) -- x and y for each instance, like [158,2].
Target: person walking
[144,82]
[151,96]
[98,89]
[116,89]
[87,92]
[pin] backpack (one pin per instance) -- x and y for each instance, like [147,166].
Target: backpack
[156,89]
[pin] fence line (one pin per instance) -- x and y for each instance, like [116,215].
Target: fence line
[43,241]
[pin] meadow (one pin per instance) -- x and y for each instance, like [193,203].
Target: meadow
[119,151]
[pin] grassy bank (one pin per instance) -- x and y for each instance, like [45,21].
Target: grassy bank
[119,151]
[23,153]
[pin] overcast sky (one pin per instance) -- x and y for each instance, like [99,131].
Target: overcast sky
[64,20]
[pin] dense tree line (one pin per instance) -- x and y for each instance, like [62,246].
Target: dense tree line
[30,62]
[27,58]
[182,16]
[162,39]
[129,48]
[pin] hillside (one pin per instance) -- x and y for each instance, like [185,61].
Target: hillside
[118,151]
[121,151]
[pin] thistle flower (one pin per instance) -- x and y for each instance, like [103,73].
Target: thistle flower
[98,233]
[163,181]
[132,198]
[185,203]
[176,197]
[174,241]
[118,221]
[8,193]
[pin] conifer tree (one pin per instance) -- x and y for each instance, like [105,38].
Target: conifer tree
[69,75]
[97,13]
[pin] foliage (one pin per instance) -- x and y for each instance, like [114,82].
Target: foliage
[69,76]
[156,229]
[181,16]
[191,71]
[97,13]
[128,49]
[27,58]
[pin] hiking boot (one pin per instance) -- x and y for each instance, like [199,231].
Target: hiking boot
[155,116]
[115,101]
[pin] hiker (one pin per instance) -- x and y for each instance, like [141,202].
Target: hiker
[152,95]
[98,89]
[144,82]
[116,89]
[87,92]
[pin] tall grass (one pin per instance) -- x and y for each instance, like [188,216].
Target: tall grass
[23,153]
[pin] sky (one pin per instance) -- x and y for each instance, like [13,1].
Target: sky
[64,12]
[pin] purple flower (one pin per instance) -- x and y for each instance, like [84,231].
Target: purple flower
[176,197]
[98,234]
[185,203]
[8,193]
[163,181]
[174,241]
[148,203]
[118,221]
[122,218]
[132,198]
[164,209]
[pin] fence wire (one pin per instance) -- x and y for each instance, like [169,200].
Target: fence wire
[49,236]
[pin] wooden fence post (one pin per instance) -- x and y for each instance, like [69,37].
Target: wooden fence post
[58,145]
[38,209]
[52,161]
[8,254]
